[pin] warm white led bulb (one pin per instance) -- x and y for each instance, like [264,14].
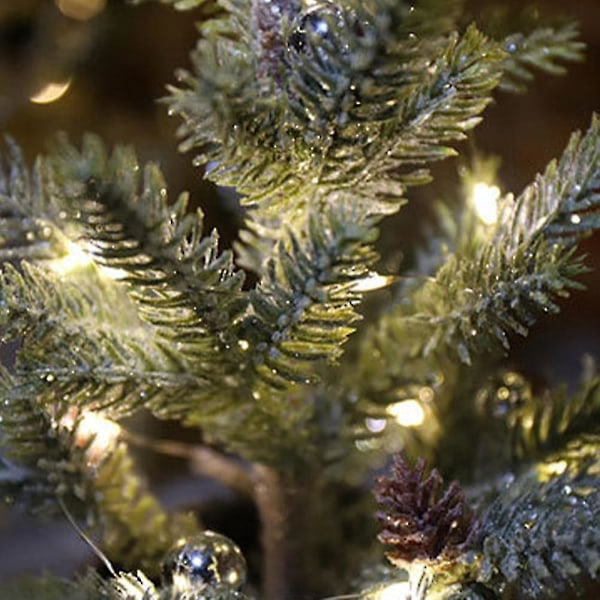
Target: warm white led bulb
[373,281]
[51,92]
[82,10]
[408,413]
[394,591]
[485,200]
[92,431]
[74,259]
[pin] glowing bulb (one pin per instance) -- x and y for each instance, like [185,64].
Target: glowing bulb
[103,431]
[372,282]
[74,259]
[375,425]
[81,10]
[485,200]
[95,433]
[112,273]
[51,92]
[552,469]
[408,413]
[394,591]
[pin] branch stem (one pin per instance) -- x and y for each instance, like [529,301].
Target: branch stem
[271,501]
[205,461]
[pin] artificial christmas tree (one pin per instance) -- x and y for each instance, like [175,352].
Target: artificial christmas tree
[301,380]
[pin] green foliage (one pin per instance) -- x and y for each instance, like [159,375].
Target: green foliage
[182,284]
[25,232]
[531,43]
[541,49]
[500,285]
[537,539]
[125,586]
[322,116]
[364,119]
[308,294]
[52,461]
[75,345]
[544,423]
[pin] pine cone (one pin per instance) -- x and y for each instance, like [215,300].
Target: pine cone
[416,522]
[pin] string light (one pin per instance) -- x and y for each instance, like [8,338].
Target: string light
[51,92]
[395,591]
[375,425]
[82,10]
[97,434]
[485,200]
[74,259]
[408,413]
[374,281]
[552,469]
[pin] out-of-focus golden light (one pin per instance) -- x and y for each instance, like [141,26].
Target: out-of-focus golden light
[394,591]
[408,413]
[94,432]
[102,431]
[485,200]
[51,92]
[552,469]
[112,273]
[374,281]
[375,425]
[74,259]
[82,10]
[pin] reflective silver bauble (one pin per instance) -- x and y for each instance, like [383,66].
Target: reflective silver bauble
[204,560]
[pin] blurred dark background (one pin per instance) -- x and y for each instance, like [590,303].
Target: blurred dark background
[111,62]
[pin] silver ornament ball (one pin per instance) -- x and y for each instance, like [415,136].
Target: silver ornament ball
[205,560]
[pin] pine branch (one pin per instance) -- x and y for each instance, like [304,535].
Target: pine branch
[477,301]
[74,347]
[25,229]
[178,279]
[429,18]
[531,45]
[542,49]
[538,536]
[364,119]
[497,283]
[442,107]
[305,306]
[126,586]
[60,454]
[545,423]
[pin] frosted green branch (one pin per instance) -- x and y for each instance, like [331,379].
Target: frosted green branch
[26,228]
[546,423]
[543,49]
[52,447]
[305,304]
[529,260]
[70,347]
[537,536]
[366,118]
[180,282]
